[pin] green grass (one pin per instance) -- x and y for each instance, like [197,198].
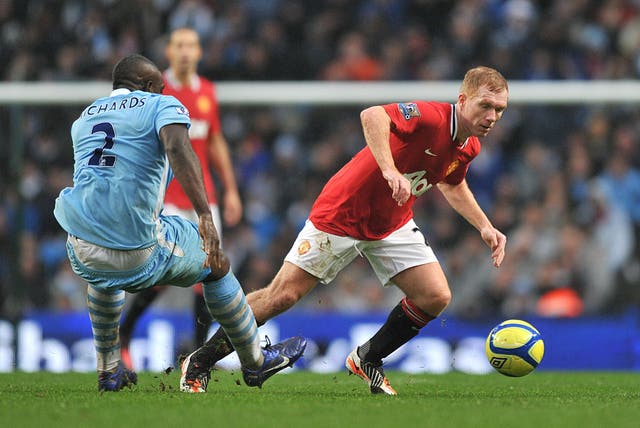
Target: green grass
[301,399]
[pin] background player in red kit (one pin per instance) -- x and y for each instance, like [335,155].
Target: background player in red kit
[366,209]
[198,95]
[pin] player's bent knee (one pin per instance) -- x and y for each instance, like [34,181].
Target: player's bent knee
[218,272]
[442,299]
[434,302]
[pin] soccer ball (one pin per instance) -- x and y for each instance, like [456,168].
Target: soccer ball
[514,348]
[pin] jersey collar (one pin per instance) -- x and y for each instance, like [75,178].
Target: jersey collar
[453,123]
[119,91]
[454,127]
[171,78]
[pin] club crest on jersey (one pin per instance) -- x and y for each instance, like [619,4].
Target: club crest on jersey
[409,110]
[204,104]
[452,167]
[182,110]
[304,247]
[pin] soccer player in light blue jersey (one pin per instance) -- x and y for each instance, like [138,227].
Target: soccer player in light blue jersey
[126,148]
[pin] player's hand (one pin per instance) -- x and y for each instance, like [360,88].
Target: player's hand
[210,242]
[400,186]
[232,208]
[497,241]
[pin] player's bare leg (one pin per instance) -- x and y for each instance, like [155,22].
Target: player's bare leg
[426,286]
[289,285]
[198,364]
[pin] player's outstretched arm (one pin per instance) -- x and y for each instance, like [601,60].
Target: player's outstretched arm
[376,127]
[462,200]
[188,172]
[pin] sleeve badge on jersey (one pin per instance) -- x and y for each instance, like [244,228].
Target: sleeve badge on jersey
[182,110]
[452,167]
[204,104]
[409,110]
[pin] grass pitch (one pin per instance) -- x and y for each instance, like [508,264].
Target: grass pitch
[302,399]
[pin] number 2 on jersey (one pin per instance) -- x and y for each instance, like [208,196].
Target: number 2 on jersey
[99,158]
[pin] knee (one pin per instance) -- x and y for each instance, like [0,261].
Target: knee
[218,272]
[434,301]
[441,299]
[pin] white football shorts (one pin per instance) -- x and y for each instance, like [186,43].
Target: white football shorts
[324,255]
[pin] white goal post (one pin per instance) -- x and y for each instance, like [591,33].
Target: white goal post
[339,93]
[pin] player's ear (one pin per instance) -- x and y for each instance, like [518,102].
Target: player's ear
[152,86]
[462,97]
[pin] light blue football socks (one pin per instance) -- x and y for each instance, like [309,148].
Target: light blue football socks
[227,303]
[104,312]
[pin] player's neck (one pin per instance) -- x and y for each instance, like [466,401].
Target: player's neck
[461,137]
[462,132]
[184,78]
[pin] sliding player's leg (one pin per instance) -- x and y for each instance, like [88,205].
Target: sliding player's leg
[105,308]
[228,305]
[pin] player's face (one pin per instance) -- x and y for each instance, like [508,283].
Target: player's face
[483,109]
[183,51]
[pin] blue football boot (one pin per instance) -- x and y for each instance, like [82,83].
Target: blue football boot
[117,379]
[276,358]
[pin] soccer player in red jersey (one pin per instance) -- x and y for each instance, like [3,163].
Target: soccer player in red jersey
[198,95]
[366,209]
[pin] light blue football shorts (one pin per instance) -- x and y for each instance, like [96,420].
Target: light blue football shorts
[176,259]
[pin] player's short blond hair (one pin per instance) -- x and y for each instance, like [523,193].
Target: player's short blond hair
[478,77]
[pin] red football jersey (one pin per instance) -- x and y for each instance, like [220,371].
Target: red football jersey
[200,99]
[357,200]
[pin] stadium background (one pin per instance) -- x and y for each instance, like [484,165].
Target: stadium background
[562,180]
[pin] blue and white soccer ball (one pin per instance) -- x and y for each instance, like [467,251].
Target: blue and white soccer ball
[514,348]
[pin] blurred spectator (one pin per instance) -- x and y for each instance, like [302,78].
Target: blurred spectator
[68,290]
[563,182]
[353,61]
[621,182]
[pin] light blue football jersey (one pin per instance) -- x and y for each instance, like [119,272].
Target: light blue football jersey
[121,169]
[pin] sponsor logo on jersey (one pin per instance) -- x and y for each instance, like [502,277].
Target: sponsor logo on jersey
[409,110]
[419,182]
[452,167]
[204,104]
[199,129]
[304,247]
[429,152]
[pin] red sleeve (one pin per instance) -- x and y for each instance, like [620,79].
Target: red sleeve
[407,117]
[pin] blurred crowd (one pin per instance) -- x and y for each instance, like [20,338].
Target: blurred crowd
[563,182]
